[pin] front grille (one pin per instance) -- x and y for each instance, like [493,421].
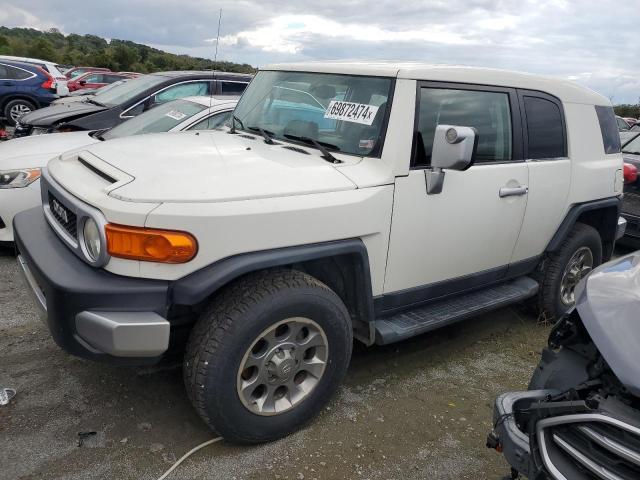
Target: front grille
[64,216]
[631,204]
[593,450]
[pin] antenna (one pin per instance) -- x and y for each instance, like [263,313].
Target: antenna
[215,60]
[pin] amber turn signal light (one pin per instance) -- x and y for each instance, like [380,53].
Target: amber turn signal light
[150,245]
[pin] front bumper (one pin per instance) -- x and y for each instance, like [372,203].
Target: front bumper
[632,233]
[513,441]
[91,313]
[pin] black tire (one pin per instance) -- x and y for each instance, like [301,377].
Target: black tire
[228,328]
[16,103]
[550,304]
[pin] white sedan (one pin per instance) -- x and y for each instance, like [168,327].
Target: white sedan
[22,158]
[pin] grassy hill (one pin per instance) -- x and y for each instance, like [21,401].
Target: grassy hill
[91,50]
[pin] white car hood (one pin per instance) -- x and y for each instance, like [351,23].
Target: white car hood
[36,151]
[215,167]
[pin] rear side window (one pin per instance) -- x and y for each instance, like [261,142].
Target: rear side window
[609,129]
[18,73]
[488,112]
[233,88]
[545,130]
[4,73]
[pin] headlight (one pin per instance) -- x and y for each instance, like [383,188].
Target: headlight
[39,131]
[92,239]
[18,178]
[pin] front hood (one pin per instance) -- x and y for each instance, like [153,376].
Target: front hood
[609,306]
[48,116]
[215,167]
[36,151]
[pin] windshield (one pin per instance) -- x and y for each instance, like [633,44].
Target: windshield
[159,119]
[127,91]
[343,113]
[633,147]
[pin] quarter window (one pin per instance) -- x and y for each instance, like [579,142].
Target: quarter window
[544,128]
[18,73]
[213,122]
[4,73]
[488,112]
[608,129]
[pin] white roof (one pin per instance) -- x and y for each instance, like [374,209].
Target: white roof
[565,90]
[214,101]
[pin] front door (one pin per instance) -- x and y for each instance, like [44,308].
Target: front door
[464,236]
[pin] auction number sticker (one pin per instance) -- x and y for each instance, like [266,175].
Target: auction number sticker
[351,112]
[175,114]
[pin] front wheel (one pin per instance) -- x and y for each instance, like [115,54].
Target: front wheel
[14,109]
[267,355]
[578,255]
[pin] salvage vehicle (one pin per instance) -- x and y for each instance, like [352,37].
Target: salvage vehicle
[422,196]
[137,95]
[24,88]
[76,72]
[22,159]
[580,418]
[631,203]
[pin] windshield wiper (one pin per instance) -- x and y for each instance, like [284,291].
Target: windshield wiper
[630,153]
[99,134]
[235,119]
[319,145]
[265,133]
[91,100]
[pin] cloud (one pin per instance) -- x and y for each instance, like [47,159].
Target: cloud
[565,38]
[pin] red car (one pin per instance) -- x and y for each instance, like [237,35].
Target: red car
[96,80]
[75,72]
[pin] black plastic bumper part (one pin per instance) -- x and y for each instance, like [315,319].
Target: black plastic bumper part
[71,286]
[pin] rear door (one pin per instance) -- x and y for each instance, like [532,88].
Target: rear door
[464,236]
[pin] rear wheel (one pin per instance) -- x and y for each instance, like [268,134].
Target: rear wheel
[267,355]
[14,109]
[578,255]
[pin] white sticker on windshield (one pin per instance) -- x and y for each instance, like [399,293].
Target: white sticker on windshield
[175,114]
[351,112]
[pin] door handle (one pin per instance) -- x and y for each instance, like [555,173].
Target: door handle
[513,191]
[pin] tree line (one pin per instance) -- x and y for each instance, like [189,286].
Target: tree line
[94,51]
[627,110]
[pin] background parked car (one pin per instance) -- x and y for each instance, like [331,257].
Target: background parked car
[622,124]
[21,159]
[631,203]
[108,109]
[24,87]
[75,72]
[50,67]
[631,121]
[97,80]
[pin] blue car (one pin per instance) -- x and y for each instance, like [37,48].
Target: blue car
[24,87]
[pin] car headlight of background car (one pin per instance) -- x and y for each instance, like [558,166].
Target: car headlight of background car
[92,239]
[18,178]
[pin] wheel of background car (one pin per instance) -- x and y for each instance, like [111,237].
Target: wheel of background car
[14,109]
[578,255]
[267,355]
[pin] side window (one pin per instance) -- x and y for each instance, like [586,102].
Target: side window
[544,128]
[137,110]
[4,73]
[488,112]
[214,121]
[19,74]
[609,129]
[232,88]
[622,125]
[182,90]
[93,78]
[111,78]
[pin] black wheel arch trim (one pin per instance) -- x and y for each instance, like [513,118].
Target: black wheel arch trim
[608,236]
[198,286]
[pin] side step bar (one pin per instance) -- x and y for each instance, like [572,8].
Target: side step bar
[450,310]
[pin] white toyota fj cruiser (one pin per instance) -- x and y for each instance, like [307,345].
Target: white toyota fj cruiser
[367,201]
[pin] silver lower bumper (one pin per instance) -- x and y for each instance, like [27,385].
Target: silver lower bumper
[622,227]
[32,285]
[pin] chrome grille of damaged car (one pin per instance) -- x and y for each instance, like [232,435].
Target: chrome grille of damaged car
[66,216]
[589,446]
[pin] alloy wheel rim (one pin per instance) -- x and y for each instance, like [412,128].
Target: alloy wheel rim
[578,267]
[18,110]
[283,366]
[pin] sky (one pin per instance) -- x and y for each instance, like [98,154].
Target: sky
[592,42]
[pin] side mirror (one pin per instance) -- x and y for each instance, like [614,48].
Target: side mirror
[453,149]
[82,82]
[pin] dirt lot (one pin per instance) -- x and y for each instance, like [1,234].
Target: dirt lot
[417,410]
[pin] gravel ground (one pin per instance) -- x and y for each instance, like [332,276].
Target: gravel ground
[420,409]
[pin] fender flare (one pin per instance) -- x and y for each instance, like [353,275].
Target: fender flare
[198,286]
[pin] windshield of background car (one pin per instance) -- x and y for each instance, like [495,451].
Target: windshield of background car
[344,113]
[633,147]
[162,118]
[127,91]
